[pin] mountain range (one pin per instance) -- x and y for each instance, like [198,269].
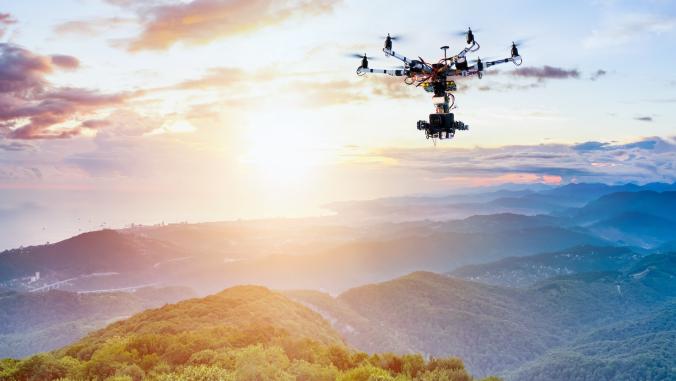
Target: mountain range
[507,330]
[555,283]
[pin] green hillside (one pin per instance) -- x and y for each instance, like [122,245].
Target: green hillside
[640,349]
[496,329]
[243,333]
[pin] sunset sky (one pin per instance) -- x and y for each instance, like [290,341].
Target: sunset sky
[121,111]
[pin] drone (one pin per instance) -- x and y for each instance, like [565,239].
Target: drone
[438,78]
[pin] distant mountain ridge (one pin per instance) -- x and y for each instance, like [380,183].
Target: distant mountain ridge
[112,260]
[522,201]
[528,270]
[659,204]
[326,255]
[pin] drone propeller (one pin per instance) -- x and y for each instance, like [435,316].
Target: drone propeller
[357,55]
[521,42]
[463,33]
[394,37]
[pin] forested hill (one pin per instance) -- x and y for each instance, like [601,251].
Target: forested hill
[498,329]
[242,333]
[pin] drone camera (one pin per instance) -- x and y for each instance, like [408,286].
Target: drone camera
[441,121]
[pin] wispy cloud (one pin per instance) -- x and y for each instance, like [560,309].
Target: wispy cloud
[202,21]
[93,27]
[645,160]
[533,77]
[644,118]
[598,74]
[15,146]
[65,62]
[620,30]
[5,21]
[546,72]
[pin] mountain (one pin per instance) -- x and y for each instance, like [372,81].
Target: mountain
[494,329]
[644,202]
[242,333]
[523,200]
[85,258]
[38,322]
[636,228]
[639,349]
[526,271]
[364,261]
[500,222]
[111,260]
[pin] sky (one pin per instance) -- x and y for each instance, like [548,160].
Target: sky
[115,112]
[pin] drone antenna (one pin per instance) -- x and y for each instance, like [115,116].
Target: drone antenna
[444,48]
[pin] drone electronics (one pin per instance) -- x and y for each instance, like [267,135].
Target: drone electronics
[438,78]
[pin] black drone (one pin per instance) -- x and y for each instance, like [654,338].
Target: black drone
[437,78]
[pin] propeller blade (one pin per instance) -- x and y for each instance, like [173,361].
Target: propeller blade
[394,37]
[463,33]
[360,56]
[521,42]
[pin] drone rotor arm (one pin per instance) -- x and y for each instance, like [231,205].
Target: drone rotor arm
[468,49]
[516,60]
[392,72]
[392,53]
[421,64]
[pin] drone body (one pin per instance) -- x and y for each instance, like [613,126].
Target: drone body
[438,78]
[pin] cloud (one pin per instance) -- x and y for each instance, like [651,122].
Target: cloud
[646,160]
[644,118]
[5,20]
[16,146]
[620,30]
[598,74]
[202,21]
[65,62]
[215,77]
[91,27]
[392,87]
[590,146]
[31,108]
[546,72]
[540,74]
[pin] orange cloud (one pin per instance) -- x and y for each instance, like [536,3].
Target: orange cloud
[91,27]
[30,107]
[65,62]
[202,21]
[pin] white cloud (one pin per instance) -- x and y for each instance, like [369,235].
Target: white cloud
[620,30]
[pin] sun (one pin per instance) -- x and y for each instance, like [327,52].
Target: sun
[278,161]
[280,152]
